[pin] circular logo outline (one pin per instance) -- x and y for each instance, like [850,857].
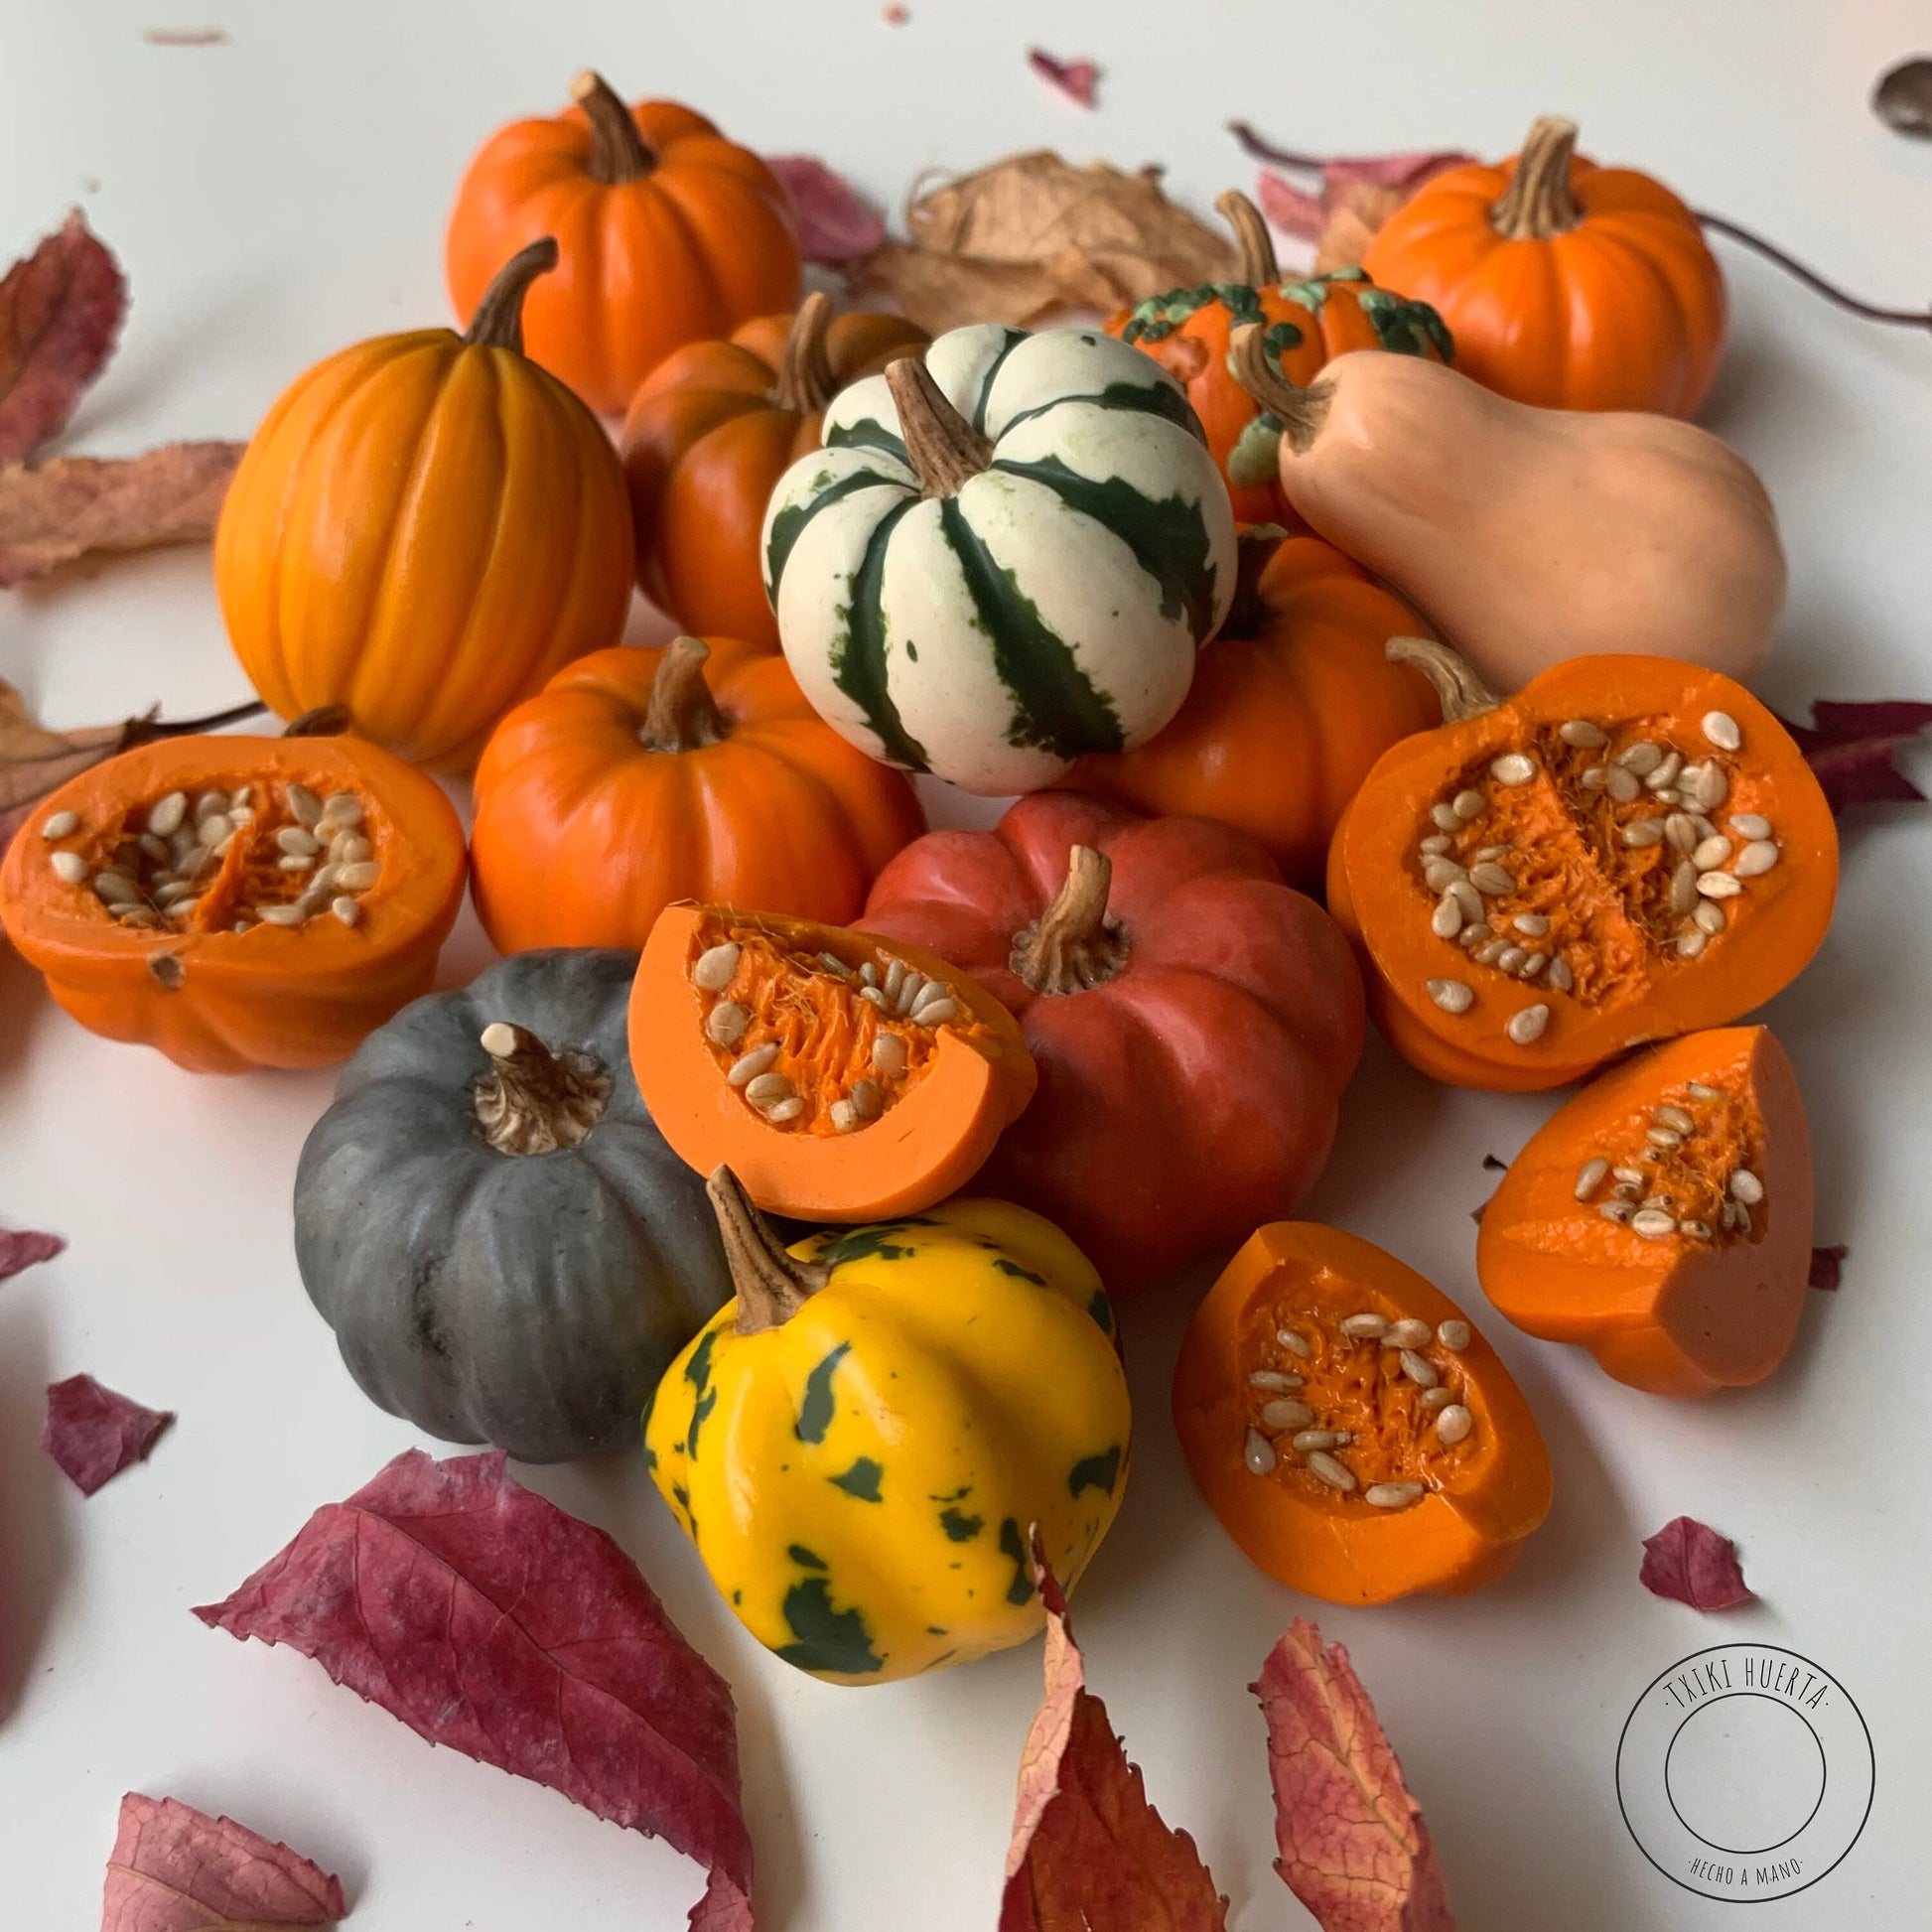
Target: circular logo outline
[1817,1804]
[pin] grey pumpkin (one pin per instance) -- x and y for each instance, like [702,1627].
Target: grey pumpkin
[507,1248]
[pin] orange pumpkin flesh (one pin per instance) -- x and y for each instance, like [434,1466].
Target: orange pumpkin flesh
[178,977]
[1650,916]
[1663,1218]
[847,1129]
[1277,1314]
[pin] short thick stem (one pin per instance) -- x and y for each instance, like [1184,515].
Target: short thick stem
[1073,945]
[499,321]
[946,452]
[1300,412]
[772,1287]
[682,716]
[1462,693]
[534,1101]
[619,153]
[1537,202]
[805,381]
[1257,265]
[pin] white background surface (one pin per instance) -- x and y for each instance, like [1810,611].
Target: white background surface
[277,197]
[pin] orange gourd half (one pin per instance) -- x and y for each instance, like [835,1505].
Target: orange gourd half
[840,1076]
[1628,849]
[155,895]
[1351,1429]
[1663,1217]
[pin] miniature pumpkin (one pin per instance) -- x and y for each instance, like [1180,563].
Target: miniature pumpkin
[861,1445]
[237,902]
[1354,1433]
[504,1246]
[1290,706]
[1528,535]
[1306,323]
[1007,555]
[669,234]
[1193,1020]
[424,527]
[1662,1219]
[1628,850]
[698,772]
[842,1077]
[708,436]
[1566,284]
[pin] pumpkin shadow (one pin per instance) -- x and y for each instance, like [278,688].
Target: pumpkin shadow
[34,1533]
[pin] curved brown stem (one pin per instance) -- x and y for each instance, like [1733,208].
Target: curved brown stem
[682,716]
[772,1287]
[943,448]
[534,1101]
[499,321]
[144,731]
[1263,149]
[1300,412]
[1537,202]
[1258,267]
[325,721]
[619,153]
[1074,944]
[1461,692]
[805,381]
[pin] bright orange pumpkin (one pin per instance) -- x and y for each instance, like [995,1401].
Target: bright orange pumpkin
[424,527]
[669,234]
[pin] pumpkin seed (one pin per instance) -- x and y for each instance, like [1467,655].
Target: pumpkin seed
[1433,1401]
[872,993]
[1285,1412]
[1623,785]
[910,989]
[61,825]
[1718,885]
[168,814]
[1511,959]
[241,814]
[867,1099]
[1409,1332]
[1337,1476]
[930,993]
[1316,1438]
[783,1111]
[1490,879]
[1710,917]
[1528,1023]
[1643,831]
[1678,1118]
[1454,1335]
[1258,1452]
[937,1013]
[747,1067]
[894,979]
[298,841]
[1710,790]
[1293,1344]
[1720,728]
[1680,828]
[1446,919]
[1366,1326]
[1711,853]
[1560,975]
[834,965]
[1759,856]
[1444,817]
[1595,777]
[889,1055]
[190,862]
[1274,1379]
[1589,1177]
[1664,1137]
[350,849]
[153,848]
[1453,1423]
[1418,1369]
[1698,1091]
[1466,897]
[141,916]
[1392,1495]
[1750,825]
[726,1023]
[279,915]
[1467,806]
[173,895]
[1435,845]
[68,865]
[1439,875]
[1534,923]
[1532,966]
[296,862]
[1488,954]
[212,829]
[1745,1186]
[1697,1230]
[1665,774]
[843,1115]
[304,806]
[1641,759]
[869,973]
[116,889]
[341,809]
[345,909]
[1682,896]
[1580,733]
[1652,1223]
[1512,769]
[1493,852]
[358,878]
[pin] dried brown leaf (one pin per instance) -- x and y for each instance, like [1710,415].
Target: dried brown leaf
[61,309]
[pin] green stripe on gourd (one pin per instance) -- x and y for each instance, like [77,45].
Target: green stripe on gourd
[1015,337]
[859,661]
[1145,398]
[788,523]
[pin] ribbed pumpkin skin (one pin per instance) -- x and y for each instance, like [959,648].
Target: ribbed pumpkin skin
[528,1301]
[422,530]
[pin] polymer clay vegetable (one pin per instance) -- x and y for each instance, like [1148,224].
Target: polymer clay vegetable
[859,1445]
[237,902]
[424,527]
[501,1241]
[1306,323]
[1628,850]
[1663,1217]
[1565,284]
[1354,1433]
[669,234]
[1007,555]
[1193,1020]
[1529,535]
[841,1076]
[697,771]
[709,435]
[1290,705]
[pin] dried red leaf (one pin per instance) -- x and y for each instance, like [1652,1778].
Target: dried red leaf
[176,1869]
[23,1247]
[1353,1845]
[60,310]
[834,224]
[895,14]
[94,1434]
[1850,748]
[1826,1267]
[488,1620]
[1079,80]
[1689,1563]
[1290,210]
[1088,1850]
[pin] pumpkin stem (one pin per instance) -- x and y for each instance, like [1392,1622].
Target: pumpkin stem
[1300,412]
[944,448]
[1253,551]
[772,1286]
[619,153]
[1463,694]
[1257,266]
[683,715]
[499,321]
[1074,944]
[325,721]
[805,381]
[534,1101]
[1537,202]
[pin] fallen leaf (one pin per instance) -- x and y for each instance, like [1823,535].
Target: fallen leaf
[1291,211]
[488,1620]
[22,1246]
[1826,1267]
[52,512]
[1353,1845]
[834,224]
[1689,1563]
[1356,208]
[94,1434]
[60,310]
[1088,1850]
[1079,80]
[1356,194]
[176,1869]
[1850,747]
[895,13]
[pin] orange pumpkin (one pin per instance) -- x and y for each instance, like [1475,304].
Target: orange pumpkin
[841,1076]
[1662,1219]
[669,234]
[1354,1433]
[424,527]
[698,772]
[237,902]
[1306,324]
[1565,284]
[1626,850]
[1290,705]
[711,432]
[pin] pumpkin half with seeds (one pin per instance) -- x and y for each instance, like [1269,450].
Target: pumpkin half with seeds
[841,1076]
[1628,849]
[1663,1217]
[860,1444]
[501,1241]
[1354,1433]
[237,902]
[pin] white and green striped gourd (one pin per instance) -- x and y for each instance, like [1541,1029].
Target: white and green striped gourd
[1004,557]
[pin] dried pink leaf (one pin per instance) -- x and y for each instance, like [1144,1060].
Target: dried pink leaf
[1079,80]
[1689,1563]
[1290,210]
[60,310]
[835,225]
[94,1434]
[1826,1267]
[1851,750]
[176,1869]
[24,1247]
